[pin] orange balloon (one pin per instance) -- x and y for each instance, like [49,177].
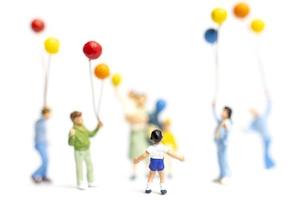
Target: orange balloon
[241,10]
[102,71]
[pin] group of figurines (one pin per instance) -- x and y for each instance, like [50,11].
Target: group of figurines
[150,138]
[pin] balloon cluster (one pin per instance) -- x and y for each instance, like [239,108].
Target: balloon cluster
[51,46]
[93,50]
[219,15]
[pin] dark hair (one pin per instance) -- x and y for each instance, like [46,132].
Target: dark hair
[45,110]
[75,114]
[156,136]
[229,111]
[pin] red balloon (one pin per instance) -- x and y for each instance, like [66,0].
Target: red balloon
[92,50]
[37,25]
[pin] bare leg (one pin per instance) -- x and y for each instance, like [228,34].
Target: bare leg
[133,175]
[149,181]
[169,167]
[162,181]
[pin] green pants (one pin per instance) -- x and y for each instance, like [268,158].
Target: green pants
[80,157]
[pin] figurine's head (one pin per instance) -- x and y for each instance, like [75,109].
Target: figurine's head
[160,105]
[76,118]
[138,98]
[131,94]
[227,113]
[156,136]
[46,112]
[141,100]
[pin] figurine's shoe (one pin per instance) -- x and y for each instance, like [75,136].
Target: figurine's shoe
[92,185]
[148,191]
[217,180]
[225,181]
[163,192]
[80,187]
[132,177]
[46,180]
[37,180]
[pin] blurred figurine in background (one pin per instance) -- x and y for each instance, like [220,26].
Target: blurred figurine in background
[259,125]
[154,116]
[170,141]
[79,137]
[156,152]
[138,121]
[40,140]
[220,137]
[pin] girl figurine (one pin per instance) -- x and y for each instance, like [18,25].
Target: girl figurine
[156,152]
[221,135]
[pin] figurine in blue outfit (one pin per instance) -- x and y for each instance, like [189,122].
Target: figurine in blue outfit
[154,116]
[259,125]
[40,140]
[220,136]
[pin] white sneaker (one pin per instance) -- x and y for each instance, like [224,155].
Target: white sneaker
[80,187]
[225,181]
[92,185]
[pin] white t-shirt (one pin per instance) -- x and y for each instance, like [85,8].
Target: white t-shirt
[157,151]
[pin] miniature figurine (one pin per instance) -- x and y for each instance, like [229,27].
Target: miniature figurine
[156,152]
[79,137]
[259,125]
[221,135]
[160,105]
[40,139]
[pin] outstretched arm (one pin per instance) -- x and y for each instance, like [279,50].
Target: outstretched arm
[268,104]
[141,158]
[215,111]
[174,155]
[94,132]
[268,107]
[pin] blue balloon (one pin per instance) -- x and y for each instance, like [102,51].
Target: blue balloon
[160,105]
[211,35]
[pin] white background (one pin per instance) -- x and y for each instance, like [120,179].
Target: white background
[159,49]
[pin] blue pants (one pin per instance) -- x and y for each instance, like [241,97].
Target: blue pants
[269,163]
[222,161]
[42,170]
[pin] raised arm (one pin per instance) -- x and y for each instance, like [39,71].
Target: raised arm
[94,132]
[141,157]
[215,114]
[174,155]
[268,107]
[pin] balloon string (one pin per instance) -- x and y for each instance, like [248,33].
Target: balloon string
[100,97]
[47,72]
[93,90]
[261,70]
[217,64]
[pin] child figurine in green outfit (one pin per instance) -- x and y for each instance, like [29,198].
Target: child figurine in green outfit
[79,137]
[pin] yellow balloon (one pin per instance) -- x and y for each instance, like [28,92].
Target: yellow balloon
[52,45]
[219,15]
[116,79]
[257,25]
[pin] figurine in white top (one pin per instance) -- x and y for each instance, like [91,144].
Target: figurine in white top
[156,152]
